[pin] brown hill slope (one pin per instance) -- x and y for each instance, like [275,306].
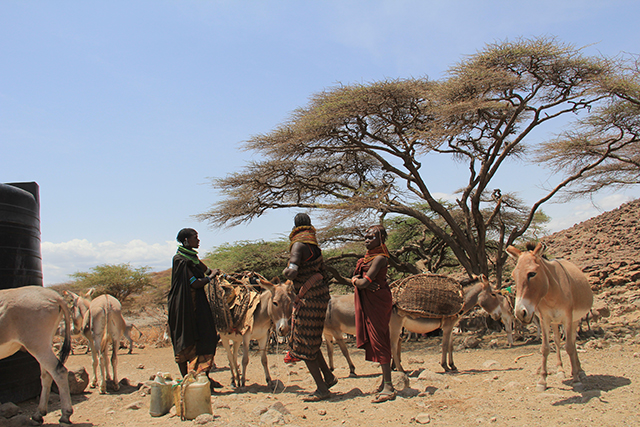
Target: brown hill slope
[606,247]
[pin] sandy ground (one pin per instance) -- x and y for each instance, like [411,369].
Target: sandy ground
[491,388]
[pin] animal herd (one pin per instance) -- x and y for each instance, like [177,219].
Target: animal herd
[557,292]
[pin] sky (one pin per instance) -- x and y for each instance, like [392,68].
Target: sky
[123,111]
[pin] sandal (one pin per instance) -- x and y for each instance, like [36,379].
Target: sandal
[332,383]
[315,397]
[384,397]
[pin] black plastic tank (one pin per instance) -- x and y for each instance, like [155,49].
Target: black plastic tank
[20,265]
[20,258]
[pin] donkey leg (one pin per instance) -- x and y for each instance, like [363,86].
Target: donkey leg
[345,352]
[103,370]
[544,351]
[233,367]
[558,342]
[246,340]
[50,370]
[328,338]
[447,345]
[395,328]
[577,373]
[114,362]
[262,344]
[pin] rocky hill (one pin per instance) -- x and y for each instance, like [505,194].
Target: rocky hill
[607,248]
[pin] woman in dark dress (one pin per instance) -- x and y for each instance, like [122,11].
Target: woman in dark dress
[191,324]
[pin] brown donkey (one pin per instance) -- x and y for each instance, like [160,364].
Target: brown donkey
[559,293]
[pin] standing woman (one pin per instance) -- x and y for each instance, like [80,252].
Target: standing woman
[373,308]
[306,270]
[191,324]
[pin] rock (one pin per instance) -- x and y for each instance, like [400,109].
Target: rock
[19,421]
[427,375]
[423,418]
[470,342]
[272,417]
[279,406]
[134,406]
[400,380]
[9,409]
[78,380]
[203,419]
[259,410]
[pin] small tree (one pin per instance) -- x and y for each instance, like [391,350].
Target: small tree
[119,280]
[265,258]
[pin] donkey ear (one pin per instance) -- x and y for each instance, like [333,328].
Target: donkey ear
[513,252]
[290,288]
[539,250]
[485,282]
[267,285]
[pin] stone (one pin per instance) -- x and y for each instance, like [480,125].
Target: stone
[272,417]
[9,409]
[78,380]
[279,406]
[203,419]
[423,418]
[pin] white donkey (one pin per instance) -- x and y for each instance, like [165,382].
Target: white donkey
[29,317]
[100,321]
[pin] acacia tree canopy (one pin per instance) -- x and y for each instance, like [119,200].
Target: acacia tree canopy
[358,149]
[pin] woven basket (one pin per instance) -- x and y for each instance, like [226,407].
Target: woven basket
[230,296]
[428,295]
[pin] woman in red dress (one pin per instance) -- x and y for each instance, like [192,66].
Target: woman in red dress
[373,308]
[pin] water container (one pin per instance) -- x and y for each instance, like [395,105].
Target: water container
[20,257]
[20,265]
[196,397]
[161,395]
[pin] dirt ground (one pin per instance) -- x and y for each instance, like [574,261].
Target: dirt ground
[492,387]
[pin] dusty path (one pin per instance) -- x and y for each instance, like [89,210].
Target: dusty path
[491,388]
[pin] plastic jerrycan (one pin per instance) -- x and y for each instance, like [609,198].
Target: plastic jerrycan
[161,396]
[196,397]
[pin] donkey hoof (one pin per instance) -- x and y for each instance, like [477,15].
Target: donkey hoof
[541,386]
[37,419]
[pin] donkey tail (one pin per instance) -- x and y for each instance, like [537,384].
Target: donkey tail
[65,350]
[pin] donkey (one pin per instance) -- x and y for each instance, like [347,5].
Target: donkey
[274,308]
[100,321]
[481,293]
[340,319]
[559,293]
[29,317]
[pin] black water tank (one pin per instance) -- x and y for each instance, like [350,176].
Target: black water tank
[20,265]
[20,259]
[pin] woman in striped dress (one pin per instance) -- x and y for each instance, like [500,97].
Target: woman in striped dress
[306,270]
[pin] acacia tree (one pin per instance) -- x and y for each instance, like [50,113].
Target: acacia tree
[359,149]
[118,280]
[609,138]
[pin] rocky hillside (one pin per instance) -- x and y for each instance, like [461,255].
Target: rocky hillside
[607,248]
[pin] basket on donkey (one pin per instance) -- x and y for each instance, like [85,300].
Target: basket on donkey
[231,296]
[428,295]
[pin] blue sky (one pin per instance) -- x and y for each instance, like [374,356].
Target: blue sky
[121,111]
